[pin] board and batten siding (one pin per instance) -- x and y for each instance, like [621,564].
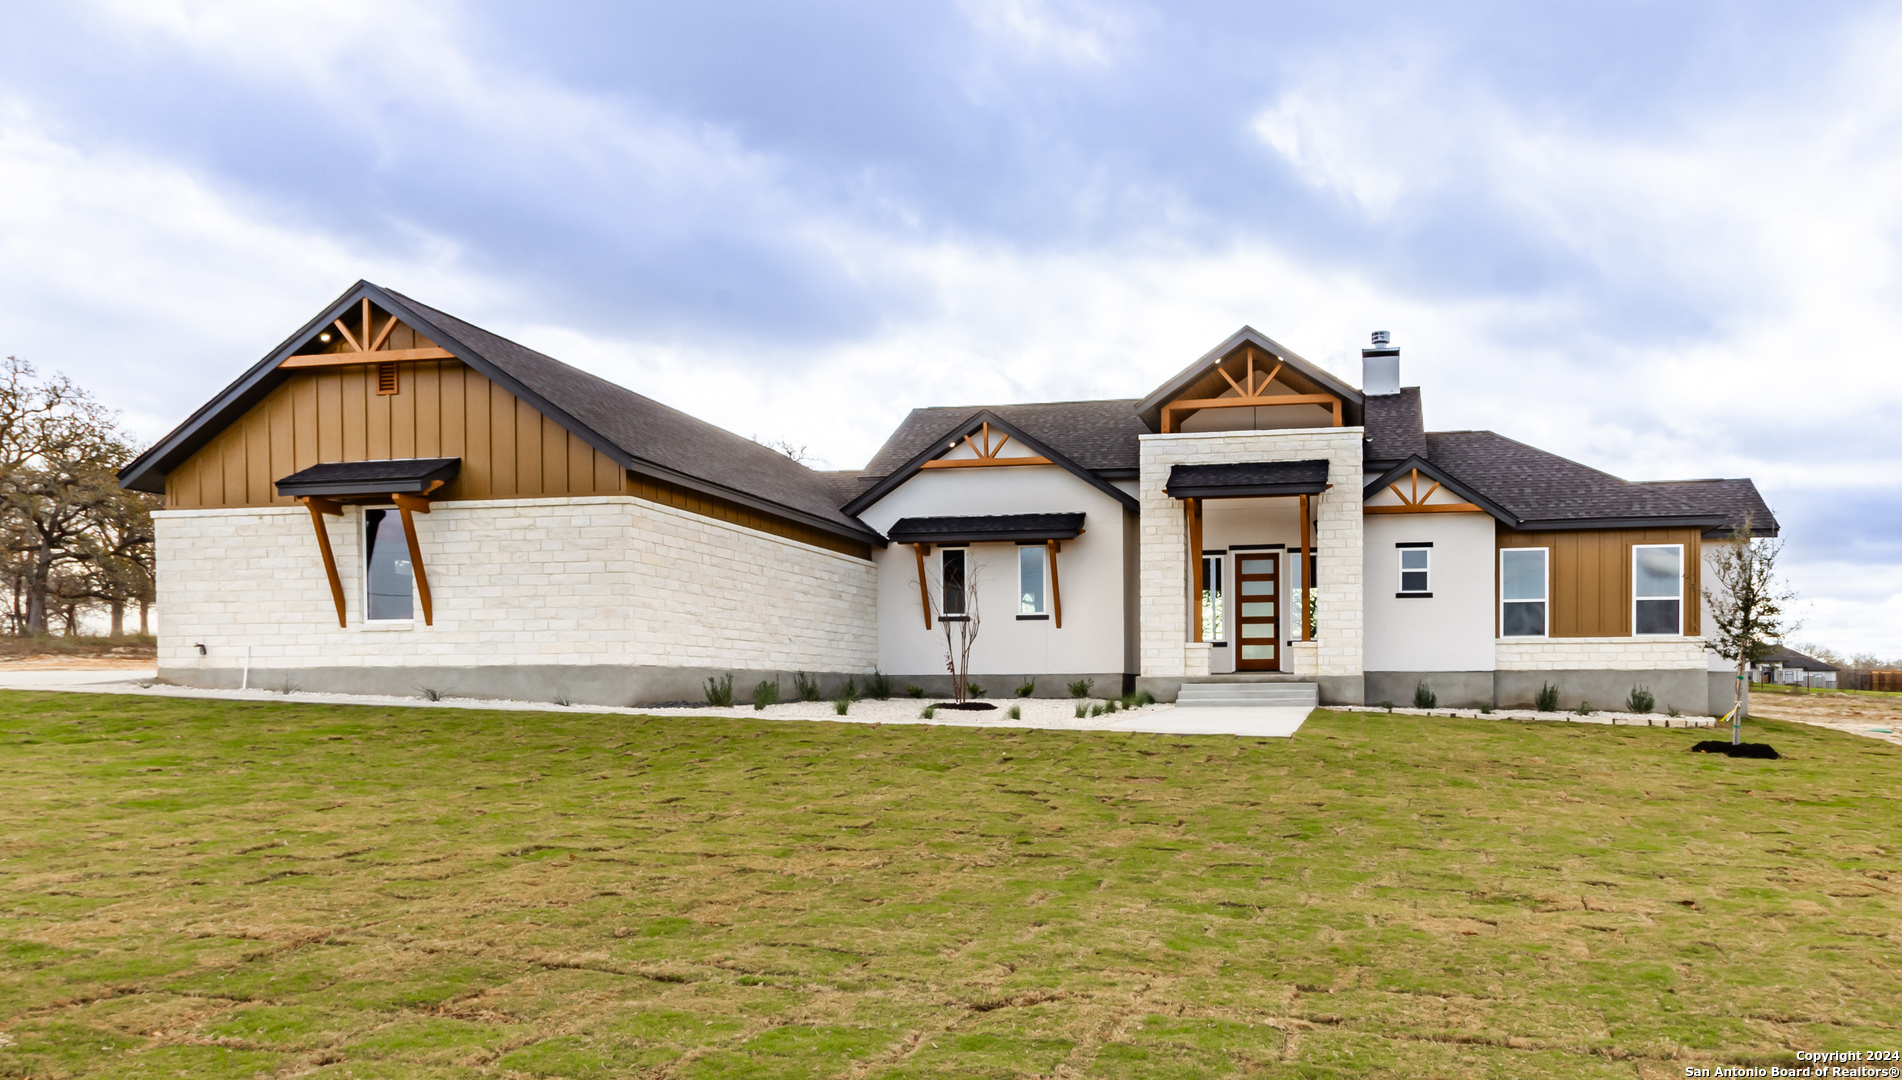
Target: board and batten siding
[443,409]
[1591,577]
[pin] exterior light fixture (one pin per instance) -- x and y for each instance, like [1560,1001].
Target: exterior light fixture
[325,336]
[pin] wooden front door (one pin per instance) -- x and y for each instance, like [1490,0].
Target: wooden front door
[1257,618]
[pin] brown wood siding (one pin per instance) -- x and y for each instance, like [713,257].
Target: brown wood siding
[443,409]
[660,491]
[1591,577]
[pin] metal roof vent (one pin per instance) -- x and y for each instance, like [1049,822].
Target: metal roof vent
[1382,339]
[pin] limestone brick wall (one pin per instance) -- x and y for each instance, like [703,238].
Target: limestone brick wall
[584,580]
[1600,654]
[1164,565]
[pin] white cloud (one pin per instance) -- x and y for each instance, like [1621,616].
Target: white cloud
[1076,34]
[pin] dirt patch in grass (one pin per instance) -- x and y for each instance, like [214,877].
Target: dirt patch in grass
[1858,714]
[50,653]
[238,889]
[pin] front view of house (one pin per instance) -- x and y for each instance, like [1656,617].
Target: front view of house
[395,501]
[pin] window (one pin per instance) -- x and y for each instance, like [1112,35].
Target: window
[953,583]
[1030,580]
[1212,598]
[1414,571]
[389,582]
[1657,589]
[1522,585]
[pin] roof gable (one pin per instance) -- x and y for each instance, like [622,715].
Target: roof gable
[1202,379]
[976,422]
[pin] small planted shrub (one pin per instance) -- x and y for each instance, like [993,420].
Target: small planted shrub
[1584,709]
[928,712]
[842,704]
[766,693]
[805,686]
[851,691]
[1387,705]
[720,691]
[1110,707]
[1672,711]
[1144,697]
[1016,712]
[1081,688]
[914,691]
[430,693]
[974,690]
[1640,700]
[1547,699]
[1424,697]
[1485,710]
[1082,709]
[1029,688]
[879,686]
[1096,710]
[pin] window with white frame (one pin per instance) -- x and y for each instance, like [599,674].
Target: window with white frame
[1415,569]
[952,581]
[1657,589]
[389,581]
[1030,580]
[1212,622]
[1523,586]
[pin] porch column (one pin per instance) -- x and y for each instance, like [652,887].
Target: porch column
[1193,507]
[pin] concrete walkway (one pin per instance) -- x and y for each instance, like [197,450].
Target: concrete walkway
[1040,713]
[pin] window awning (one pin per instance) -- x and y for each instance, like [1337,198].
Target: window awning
[1247,478]
[410,476]
[994,528]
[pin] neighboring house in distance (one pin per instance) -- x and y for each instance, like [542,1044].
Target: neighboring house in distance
[395,499]
[1792,668]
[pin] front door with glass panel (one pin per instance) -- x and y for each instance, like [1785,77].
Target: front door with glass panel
[1257,623]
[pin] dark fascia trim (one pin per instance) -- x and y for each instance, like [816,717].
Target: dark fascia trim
[1445,480]
[1251,491]
[1729,532]
[1661,521]
[147,472]
[1120,474]
[977,420]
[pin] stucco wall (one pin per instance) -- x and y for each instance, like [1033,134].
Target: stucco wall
[1090,571]
[1452,630]
[1337,651]
[606,580]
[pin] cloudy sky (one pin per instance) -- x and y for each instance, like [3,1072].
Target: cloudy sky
[1659,238]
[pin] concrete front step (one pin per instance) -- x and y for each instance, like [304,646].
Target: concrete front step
[1247,695]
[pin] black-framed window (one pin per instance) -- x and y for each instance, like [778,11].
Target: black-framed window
[389,581]
[1416,570]
[1213,624]
[952,580]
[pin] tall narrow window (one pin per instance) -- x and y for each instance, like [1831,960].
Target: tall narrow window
[1030,580]
[953,582]
[1414,571]
[1522,592]
[1212,598]
[388,579]
[1657,589]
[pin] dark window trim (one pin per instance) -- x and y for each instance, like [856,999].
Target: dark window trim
[1413,595]
[954,618]
[1031,618]
[1415,544]
[1256,547]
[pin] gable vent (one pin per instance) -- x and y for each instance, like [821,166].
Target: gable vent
[386,379]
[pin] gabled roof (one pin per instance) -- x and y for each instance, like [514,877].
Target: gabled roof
[634,431]
[1734,499]
[1545,491]
[932,449]
[1790,658]
[1441,477]
[1097,435]
[1396,425]
[1150,408]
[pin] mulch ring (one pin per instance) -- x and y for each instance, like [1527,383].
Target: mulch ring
[1749,749]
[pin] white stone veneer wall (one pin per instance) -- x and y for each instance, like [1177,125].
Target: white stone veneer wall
[1600,654]
[594,580]
[1337,539]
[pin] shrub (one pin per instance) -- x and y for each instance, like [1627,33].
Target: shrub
[1096,710]
[1016,712]
[1485,710]
[1640,700]
[879,685]
[1387,705]
[851,691]
[1672,711]
[1110,706]
[1144,697]
[1082,709]
[1081,688]
[1548,699]
[720,691]
[1424,697]
[841,704]
[1029,688]
[766,693]
[974,689]
[1584,708]
[928,712]
[914,691]
[430,693]
[805,686]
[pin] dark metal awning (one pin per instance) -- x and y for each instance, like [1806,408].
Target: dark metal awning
[998,528]
[410,476]
[1247,478]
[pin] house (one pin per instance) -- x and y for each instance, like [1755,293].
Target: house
[394,500]
[1792,668]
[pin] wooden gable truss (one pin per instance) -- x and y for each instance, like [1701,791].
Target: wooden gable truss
[1413,501]
[1251,391]
[985,453]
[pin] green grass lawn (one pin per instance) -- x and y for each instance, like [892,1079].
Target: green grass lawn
[216,889]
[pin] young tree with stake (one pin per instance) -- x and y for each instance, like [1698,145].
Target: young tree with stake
[954,607]
[1747,609]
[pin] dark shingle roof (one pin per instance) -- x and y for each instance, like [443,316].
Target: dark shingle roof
[1790,658]
[1396,425]
[410,475]
[1247,478]
[1097,435]
[648,431]
[991,527]
[1541,488]
[1735,499]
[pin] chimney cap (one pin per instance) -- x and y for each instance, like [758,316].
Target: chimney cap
[1382,339]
